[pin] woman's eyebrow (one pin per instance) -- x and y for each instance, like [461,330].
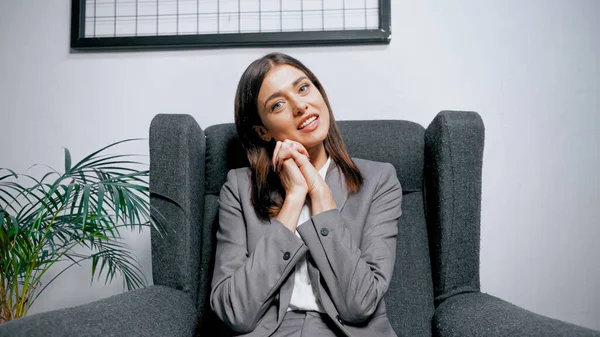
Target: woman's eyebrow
[300,79]
[278,93]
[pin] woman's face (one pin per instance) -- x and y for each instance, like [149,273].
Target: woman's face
[291,107]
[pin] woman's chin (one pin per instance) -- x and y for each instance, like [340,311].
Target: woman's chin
[314,138]
[309,144]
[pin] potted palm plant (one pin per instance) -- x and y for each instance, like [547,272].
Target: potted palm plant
[54,218]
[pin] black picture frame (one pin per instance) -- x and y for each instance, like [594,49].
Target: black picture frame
[79,42]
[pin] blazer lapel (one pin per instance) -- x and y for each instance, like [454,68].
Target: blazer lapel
[337,183]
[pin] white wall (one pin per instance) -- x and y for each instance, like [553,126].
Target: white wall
[530,68]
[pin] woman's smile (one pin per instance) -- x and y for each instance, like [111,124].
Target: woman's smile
[309,124]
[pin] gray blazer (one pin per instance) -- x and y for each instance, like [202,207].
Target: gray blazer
[351,254]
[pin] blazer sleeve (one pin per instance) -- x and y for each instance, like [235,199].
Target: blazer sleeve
[244,283]
[357,276]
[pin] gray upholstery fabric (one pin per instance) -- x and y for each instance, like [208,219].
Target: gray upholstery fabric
[152,311]
[477,314]
[209,324]
[453,161]
[410,296]
[223,152]
[397,142]
[177,148]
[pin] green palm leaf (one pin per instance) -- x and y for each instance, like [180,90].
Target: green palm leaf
[67,160]
[86,206]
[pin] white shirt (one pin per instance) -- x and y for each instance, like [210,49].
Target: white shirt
[303,297]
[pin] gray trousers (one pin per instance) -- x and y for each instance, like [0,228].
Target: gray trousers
[306,324]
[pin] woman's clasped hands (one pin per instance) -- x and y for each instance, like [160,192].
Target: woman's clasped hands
[298,175]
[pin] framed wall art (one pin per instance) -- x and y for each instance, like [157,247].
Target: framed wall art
[151,24]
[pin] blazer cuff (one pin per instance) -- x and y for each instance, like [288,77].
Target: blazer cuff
[328,221]
[284,240]
[324,225]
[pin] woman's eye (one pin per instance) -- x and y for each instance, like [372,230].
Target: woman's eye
[304,88]
[277,106]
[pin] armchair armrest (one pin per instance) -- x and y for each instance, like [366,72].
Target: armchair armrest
[177,159]
[454,143]
[151,311]
[478,314]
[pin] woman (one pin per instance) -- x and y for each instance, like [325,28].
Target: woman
[306,243]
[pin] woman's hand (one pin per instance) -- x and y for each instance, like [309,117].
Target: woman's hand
[320,194]
[283,151]
[299,178]
[291,178]
[316,183]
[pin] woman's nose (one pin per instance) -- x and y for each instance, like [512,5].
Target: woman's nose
[301,107]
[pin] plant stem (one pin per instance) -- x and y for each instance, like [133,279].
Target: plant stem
[26,285]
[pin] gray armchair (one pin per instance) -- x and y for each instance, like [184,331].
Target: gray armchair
[435,290]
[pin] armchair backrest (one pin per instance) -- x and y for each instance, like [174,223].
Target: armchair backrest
[410,296]
[189,166]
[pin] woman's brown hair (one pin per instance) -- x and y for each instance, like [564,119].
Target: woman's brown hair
[267,191]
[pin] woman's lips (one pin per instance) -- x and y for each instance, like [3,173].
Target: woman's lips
[312,126]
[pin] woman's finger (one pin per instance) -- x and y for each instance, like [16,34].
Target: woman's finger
[302,150]
[291,176]
[298,146]
[284,150]
[300,158]
[293,146]
[275,154]
[309,172]
[283,154]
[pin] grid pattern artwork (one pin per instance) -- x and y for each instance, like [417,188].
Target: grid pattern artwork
[133,18]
